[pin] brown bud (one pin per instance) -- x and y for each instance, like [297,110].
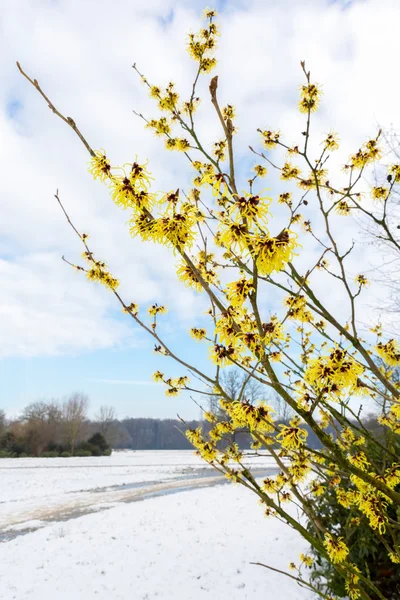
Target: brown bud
[213,87]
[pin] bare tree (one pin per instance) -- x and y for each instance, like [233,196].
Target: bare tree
[237,385]
[74,415]
[387,241]
[42,425]
[282,409]
[36,411]
[106,418]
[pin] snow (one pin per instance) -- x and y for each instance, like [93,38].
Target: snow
[34,477]
[187,545]
[30,484]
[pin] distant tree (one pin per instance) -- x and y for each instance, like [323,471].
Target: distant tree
[39,427]
[3,422]
[238,386]
[283,412]
[98,439]
[106,422]
[74,412]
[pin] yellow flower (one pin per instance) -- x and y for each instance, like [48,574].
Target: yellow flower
[191,278]
[251,207]
[394,171]
[260,170]
[194,436]
[273,331]
[188,277]
[377,520]
[190,107]
[344,498]
[307,560]
[208,451]
[310,97]
[131,189]
[202,44]
[169,101]
[175,385]
[155,309]
[336,548]
[228,112]
[361,280]
[209,13]
[198,334]
[210,417]
[390,352]
[155,91]
[334,373]
[316,177]
[379,193]
[273,253]
[171,144]
[297,308]
[207,64]
[182,144]
[244,414]
[369,152]
[269,485]
[172,391]
[292,437]
[132,309]
[175,230]
[270,138]
[285,198]
[98,272]
[360,460]
[343,208]
[222,355]
[351,584]
[395,558]
[289,171]
[331,142]
[275,356]
[158,376]
[99,166]
[234,234]
[316,488]
[219,150]
[237,291]
[160,127]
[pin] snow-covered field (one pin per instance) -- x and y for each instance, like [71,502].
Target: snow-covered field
[82,534]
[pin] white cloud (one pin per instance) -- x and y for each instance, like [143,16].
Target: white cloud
[81,53]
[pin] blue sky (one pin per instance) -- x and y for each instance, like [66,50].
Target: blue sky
[59,334]
[118,377]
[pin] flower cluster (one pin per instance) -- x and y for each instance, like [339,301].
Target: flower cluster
[389,352]
[174,385]
[309,97]
[368,153]
[335,373]
[336,548]
[273,253]
[292,437]
[202,45]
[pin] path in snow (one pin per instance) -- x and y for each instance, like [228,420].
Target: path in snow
[21,521]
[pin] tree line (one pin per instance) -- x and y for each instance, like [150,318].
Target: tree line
[62,427]
[54,428]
